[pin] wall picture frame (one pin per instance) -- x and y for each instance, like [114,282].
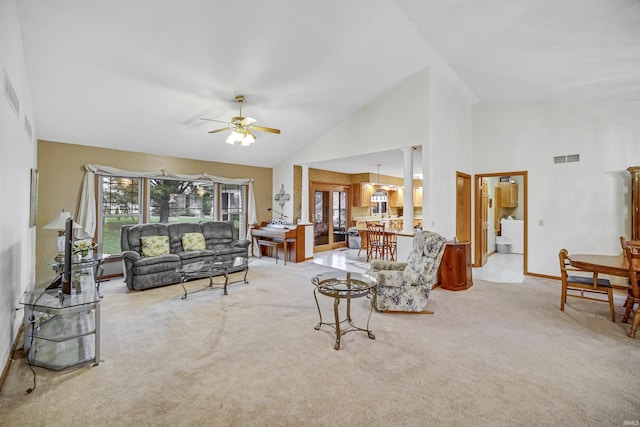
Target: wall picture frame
[33,200]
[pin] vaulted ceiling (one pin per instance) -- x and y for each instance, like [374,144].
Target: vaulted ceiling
[139,75]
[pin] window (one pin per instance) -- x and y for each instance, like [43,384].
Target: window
[180,201]
[166,201]
[232,205]
[120,206]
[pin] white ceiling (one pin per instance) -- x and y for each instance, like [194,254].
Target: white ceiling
[139,75]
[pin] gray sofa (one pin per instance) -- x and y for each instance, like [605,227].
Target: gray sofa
[142,272]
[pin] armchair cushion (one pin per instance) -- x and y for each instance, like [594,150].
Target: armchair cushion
[379,264]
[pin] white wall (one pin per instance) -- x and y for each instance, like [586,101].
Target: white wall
[372,129]
[584,206]
[448,151]
[434,114]
[17,157]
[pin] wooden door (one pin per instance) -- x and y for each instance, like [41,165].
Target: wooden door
[463,207]
[330,212]
[484,221]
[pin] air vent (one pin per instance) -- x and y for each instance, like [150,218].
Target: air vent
[10,93]
[560,159]
[569,158]
[27,127]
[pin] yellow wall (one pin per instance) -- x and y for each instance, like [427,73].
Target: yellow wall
[61,168]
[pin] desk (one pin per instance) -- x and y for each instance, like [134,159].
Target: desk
[614,265]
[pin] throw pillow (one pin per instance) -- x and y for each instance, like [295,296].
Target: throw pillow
[154,245]
[193,242]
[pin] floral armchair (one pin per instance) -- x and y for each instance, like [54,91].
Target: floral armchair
[405,286]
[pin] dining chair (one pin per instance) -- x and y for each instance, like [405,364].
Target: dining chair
[362,231]
[633,244]
[390,245]
[583,282]
[633,292]
[375,241]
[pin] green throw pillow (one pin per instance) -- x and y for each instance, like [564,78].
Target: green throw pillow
[193,242]
[154,245]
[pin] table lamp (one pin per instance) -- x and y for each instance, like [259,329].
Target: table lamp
[58,223]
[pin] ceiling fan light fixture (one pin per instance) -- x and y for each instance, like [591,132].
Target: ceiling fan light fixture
[379,196]
[240,138]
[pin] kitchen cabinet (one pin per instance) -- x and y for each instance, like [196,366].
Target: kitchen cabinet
[396,198]
[362,195]
[508,194]
[455,267]
[417,197]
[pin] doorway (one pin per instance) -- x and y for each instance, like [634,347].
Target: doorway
[496,200]
[330,210]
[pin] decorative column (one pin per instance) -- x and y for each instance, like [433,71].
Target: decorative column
[304,209]
[635,202]
[407,211]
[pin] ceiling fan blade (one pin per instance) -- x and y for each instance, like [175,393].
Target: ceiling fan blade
[247,121]
[219,130]
[213,120]
[264,129]
[251,133]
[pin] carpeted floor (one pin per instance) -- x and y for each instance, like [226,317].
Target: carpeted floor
[496,354]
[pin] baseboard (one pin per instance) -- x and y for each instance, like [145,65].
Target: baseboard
[7,365]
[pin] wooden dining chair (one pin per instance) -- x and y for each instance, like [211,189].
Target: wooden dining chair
[633,292]
[633,244]
[362,231]
[583,282]
[390,245]
[375,239]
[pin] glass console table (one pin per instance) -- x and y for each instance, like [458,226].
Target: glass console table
[61,331]
[87,270]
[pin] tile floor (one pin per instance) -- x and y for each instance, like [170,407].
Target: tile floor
[502,268]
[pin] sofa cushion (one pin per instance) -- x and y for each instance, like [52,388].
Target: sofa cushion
[196,255]
[154,245]
[156,264]
[193,242]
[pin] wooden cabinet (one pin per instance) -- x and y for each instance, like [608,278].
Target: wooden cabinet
[362,195]
[396,198]
[635,202]
[417,197]
[508,194]
[455,268]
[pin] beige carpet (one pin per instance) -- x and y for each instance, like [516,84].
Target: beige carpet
[496,354]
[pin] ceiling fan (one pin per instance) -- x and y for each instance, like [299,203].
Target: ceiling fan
[242,127]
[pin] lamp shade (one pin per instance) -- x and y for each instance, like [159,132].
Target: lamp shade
[241,138]
[58,222]
[379,197]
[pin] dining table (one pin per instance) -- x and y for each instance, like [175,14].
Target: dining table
[614,265]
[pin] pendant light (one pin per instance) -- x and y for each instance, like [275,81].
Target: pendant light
[379,196]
